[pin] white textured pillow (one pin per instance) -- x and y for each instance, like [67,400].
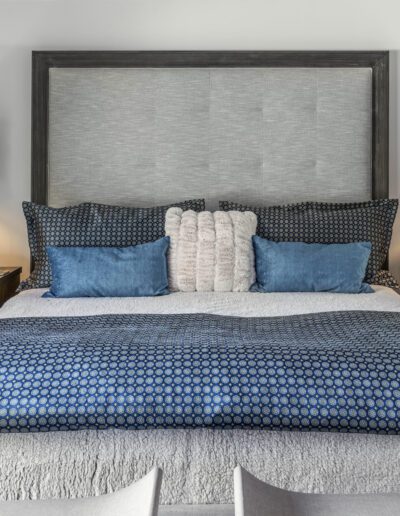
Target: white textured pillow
[210,251]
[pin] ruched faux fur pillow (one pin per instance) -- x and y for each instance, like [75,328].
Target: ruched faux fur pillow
[210,251]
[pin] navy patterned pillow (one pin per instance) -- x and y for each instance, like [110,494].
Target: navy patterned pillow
[386,279]
[329,223]
[90,225]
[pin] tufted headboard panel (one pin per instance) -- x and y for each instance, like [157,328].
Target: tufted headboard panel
[146,128]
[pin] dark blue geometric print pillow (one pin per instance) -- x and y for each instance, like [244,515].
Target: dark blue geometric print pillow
[90,225]
[329,223]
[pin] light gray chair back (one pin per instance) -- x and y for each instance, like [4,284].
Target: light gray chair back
[138,499]
[256,498]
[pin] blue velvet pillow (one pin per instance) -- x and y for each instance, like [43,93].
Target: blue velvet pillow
[133,271]
[90,225]
[300,267]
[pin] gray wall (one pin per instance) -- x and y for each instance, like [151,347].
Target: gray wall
[168,24]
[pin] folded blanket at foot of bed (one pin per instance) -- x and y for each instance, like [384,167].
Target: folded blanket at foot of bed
[336,371]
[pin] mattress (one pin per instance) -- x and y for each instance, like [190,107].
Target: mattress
[197,463]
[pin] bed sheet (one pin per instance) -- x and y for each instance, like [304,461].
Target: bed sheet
[242,304]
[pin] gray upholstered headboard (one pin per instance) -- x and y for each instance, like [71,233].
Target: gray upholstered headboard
[163,127]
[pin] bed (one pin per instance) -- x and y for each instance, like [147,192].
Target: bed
[147,128]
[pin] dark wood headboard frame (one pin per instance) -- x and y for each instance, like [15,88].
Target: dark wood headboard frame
[378,61]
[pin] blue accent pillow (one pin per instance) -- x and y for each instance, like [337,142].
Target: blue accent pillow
[301,267]
[133,271]
[90,225]
[329,223]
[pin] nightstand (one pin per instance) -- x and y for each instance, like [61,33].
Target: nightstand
[9,281]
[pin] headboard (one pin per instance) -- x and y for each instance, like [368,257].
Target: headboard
[147,128]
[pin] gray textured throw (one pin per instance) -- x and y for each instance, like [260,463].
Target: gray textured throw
[198,464]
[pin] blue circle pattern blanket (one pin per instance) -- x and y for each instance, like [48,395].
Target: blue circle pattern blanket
[337,372]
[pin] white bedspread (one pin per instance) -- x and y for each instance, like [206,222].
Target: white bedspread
[246,304]
[197,464]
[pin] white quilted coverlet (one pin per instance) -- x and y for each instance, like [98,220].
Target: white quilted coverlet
[198,464]
[243,304]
